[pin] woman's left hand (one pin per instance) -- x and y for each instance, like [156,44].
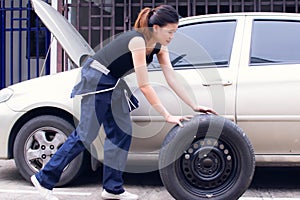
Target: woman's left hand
[205,110]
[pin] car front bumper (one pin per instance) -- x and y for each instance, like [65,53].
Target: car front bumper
[8,118]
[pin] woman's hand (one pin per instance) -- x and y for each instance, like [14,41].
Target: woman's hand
[178,119]
[205,110]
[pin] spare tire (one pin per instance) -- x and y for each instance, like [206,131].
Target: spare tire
[209,158]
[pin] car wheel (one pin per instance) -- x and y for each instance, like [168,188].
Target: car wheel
[209,158]
[38,140]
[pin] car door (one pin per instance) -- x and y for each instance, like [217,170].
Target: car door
[267,93]
[204,53]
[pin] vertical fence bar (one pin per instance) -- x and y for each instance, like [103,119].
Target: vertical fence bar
[125,15]
[66,14]
[28,39]
[189,5]
[78,14]
[243,5]
[20,40]
[129,5]
[101,25]
[193,7]
[59,48]
[47,45]
[90,23]
[254,6]
[271,6]
[113,18]
[37,52]
[3,42]
[11,42]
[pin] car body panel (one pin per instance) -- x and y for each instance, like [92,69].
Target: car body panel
[42,92]
[8,119]
[267,100]
[46,92]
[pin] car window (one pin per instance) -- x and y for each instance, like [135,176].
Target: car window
[275,42]
[201,45]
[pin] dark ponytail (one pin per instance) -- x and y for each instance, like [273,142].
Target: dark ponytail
[161,16]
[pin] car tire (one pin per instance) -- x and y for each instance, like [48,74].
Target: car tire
[209,158]
[38,140]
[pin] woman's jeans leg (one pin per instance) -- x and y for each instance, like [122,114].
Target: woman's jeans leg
[80,138]
[118,129]
[116,145]
[52,171]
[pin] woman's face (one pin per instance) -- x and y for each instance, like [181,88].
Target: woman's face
[165,34]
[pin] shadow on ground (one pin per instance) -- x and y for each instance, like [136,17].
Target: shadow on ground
[264,177]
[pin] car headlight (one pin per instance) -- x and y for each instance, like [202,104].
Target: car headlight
[5,94]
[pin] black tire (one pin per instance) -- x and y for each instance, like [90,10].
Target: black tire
[209,158]
[38,140]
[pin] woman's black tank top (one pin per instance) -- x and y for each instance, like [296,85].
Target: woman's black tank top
[117,57]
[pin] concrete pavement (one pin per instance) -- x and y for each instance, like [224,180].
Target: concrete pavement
[280,184]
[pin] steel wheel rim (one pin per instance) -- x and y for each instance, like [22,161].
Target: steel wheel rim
[208,166]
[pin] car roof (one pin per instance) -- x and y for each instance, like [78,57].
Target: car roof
[238,14]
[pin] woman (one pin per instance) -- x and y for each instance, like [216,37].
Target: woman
[107,100]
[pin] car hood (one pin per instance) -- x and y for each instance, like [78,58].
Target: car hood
[46,91]
[69,38]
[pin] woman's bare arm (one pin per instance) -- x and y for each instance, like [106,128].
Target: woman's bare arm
[138,49]
[170,74]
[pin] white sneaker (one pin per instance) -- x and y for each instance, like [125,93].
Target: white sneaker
[44,192]
[123,196]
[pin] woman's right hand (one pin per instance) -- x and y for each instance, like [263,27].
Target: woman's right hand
[178,119]
[205,110]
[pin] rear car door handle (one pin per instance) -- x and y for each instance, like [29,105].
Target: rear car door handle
[223,83]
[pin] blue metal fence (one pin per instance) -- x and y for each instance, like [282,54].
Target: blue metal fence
[24,42]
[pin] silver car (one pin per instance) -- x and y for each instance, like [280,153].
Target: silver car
[245,65]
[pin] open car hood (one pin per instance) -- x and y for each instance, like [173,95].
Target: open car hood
[65,33]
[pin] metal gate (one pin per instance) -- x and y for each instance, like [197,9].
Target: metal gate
[98,20]
[24,43]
